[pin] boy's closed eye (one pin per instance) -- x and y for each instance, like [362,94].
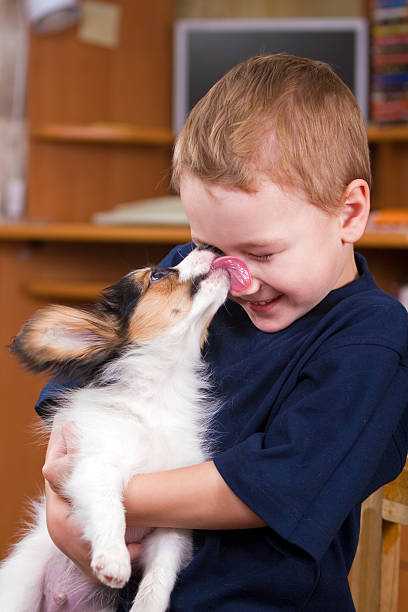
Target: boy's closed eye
[266,257]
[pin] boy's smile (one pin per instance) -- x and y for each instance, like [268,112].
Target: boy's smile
[296,252]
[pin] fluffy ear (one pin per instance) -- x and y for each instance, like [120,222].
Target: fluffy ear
[60,336]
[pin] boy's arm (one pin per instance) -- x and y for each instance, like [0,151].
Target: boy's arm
[195,497]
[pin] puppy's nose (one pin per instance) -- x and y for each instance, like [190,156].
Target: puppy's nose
[210,247]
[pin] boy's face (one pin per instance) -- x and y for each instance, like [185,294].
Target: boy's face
[294,251]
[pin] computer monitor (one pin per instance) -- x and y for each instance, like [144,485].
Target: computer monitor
[205,49]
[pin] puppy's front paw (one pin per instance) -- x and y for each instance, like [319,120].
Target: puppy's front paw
[112,567]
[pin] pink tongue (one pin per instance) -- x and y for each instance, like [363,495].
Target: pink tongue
[239,273]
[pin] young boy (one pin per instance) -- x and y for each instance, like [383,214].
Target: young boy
[311,360]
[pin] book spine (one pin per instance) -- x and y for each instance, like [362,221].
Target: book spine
[389,61]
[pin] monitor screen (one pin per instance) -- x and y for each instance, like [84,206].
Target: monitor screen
[206,49]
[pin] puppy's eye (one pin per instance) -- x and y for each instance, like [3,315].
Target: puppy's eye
[157,275]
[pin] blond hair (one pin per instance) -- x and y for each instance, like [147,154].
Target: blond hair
[289,118]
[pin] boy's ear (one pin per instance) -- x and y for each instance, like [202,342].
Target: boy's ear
[355,210]
[59,336]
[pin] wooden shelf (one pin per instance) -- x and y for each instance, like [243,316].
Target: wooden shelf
[387,133]
[86,232]
[123,133]
[384,240]
[65,291]
[104,133]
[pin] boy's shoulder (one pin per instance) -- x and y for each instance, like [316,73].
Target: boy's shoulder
[362,313]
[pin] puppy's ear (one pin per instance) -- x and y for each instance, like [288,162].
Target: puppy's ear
[59,336]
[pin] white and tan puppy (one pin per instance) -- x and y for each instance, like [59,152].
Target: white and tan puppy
[144,407]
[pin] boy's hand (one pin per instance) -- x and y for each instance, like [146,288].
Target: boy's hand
[58,460]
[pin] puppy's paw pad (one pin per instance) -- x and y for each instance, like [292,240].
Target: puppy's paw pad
[112,568]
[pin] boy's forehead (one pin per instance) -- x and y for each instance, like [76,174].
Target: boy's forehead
[237,218]
[267,192]
[189,183]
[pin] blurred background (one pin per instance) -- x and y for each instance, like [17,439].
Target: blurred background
[91,95]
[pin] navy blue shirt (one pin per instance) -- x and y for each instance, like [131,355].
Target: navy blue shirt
[314,418]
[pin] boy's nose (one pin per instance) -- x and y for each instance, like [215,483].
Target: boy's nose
[250,290]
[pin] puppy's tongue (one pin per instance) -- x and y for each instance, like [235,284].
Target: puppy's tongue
[239,273]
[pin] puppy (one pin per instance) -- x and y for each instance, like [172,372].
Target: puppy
[144,407]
